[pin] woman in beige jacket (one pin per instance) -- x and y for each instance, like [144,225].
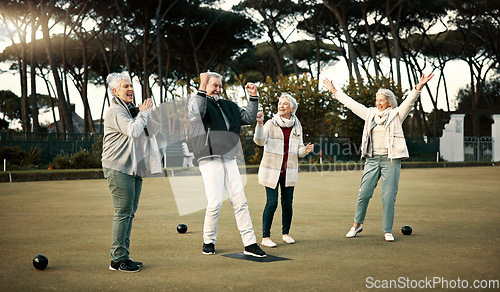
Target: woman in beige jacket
[281,137]
[383,146]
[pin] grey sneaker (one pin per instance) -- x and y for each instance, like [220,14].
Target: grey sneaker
[254,250]
[208,248]
[125,266]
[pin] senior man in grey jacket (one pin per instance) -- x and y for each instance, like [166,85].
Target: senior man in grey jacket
[215,134]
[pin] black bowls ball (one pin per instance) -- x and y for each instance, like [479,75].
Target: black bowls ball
[182,228]
[40,262]
[406,230]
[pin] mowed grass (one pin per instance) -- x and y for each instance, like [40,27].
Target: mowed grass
[454,213]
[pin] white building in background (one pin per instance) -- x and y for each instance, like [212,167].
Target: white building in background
[495,136]
[451,144]
[452,147]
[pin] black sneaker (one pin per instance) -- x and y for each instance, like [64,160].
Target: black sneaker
[137,263]
[124,266]
[208,248]
[254,250]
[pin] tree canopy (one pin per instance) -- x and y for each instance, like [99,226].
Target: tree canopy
[167,44]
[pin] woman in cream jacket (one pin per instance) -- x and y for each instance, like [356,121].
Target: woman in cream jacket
[383,145]
[281,137]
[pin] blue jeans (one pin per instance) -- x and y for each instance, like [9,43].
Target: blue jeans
[125,192]
[272,205]
[376,167]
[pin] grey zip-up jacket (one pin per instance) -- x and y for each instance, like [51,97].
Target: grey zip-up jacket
[124,142]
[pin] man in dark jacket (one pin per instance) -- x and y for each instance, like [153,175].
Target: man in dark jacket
[215,132]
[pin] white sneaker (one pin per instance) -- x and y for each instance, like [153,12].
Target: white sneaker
[268,242]
[353,232]
[288,239]
[388,237]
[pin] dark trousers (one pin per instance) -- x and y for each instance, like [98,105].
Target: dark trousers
[272,204]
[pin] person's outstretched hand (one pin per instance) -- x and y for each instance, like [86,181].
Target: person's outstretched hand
[329,85]
[423,80]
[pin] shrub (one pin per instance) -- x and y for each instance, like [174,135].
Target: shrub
[82,159]
[20,158]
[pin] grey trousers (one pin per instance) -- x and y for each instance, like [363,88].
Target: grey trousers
[376,167]
[125,193]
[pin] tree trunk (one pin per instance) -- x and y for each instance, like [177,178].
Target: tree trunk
[272,28]
[145,82]
[64,110]
[342,20]
[123,40]
[277,56]
[34,105]
[394,25]
[25,118]
[47,84]
[373,48]
[158,49]
[89,123]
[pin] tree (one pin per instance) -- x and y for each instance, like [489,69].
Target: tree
[46,12]
[15,13]
[478,25]
[488,104]
[317,109]
[33,61]
[10,105]
[344,12]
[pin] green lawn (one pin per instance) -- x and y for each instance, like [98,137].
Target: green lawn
[454,213]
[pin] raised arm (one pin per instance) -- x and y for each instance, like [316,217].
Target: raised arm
[423,80]
[406,105]
[261,132]
[249,114]
[197,106]
[356,107]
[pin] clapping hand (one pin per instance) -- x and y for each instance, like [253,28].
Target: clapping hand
[146,105]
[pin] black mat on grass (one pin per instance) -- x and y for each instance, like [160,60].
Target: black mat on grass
[268,259]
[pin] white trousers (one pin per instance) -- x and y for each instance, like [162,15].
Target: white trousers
[219,175]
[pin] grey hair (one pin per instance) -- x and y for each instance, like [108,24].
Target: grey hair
[293,102]
[391,98]
[214,74]
[114,79]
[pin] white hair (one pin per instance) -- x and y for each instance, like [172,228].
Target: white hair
[391,98]
[214,74]
[114,79]
[293,102]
